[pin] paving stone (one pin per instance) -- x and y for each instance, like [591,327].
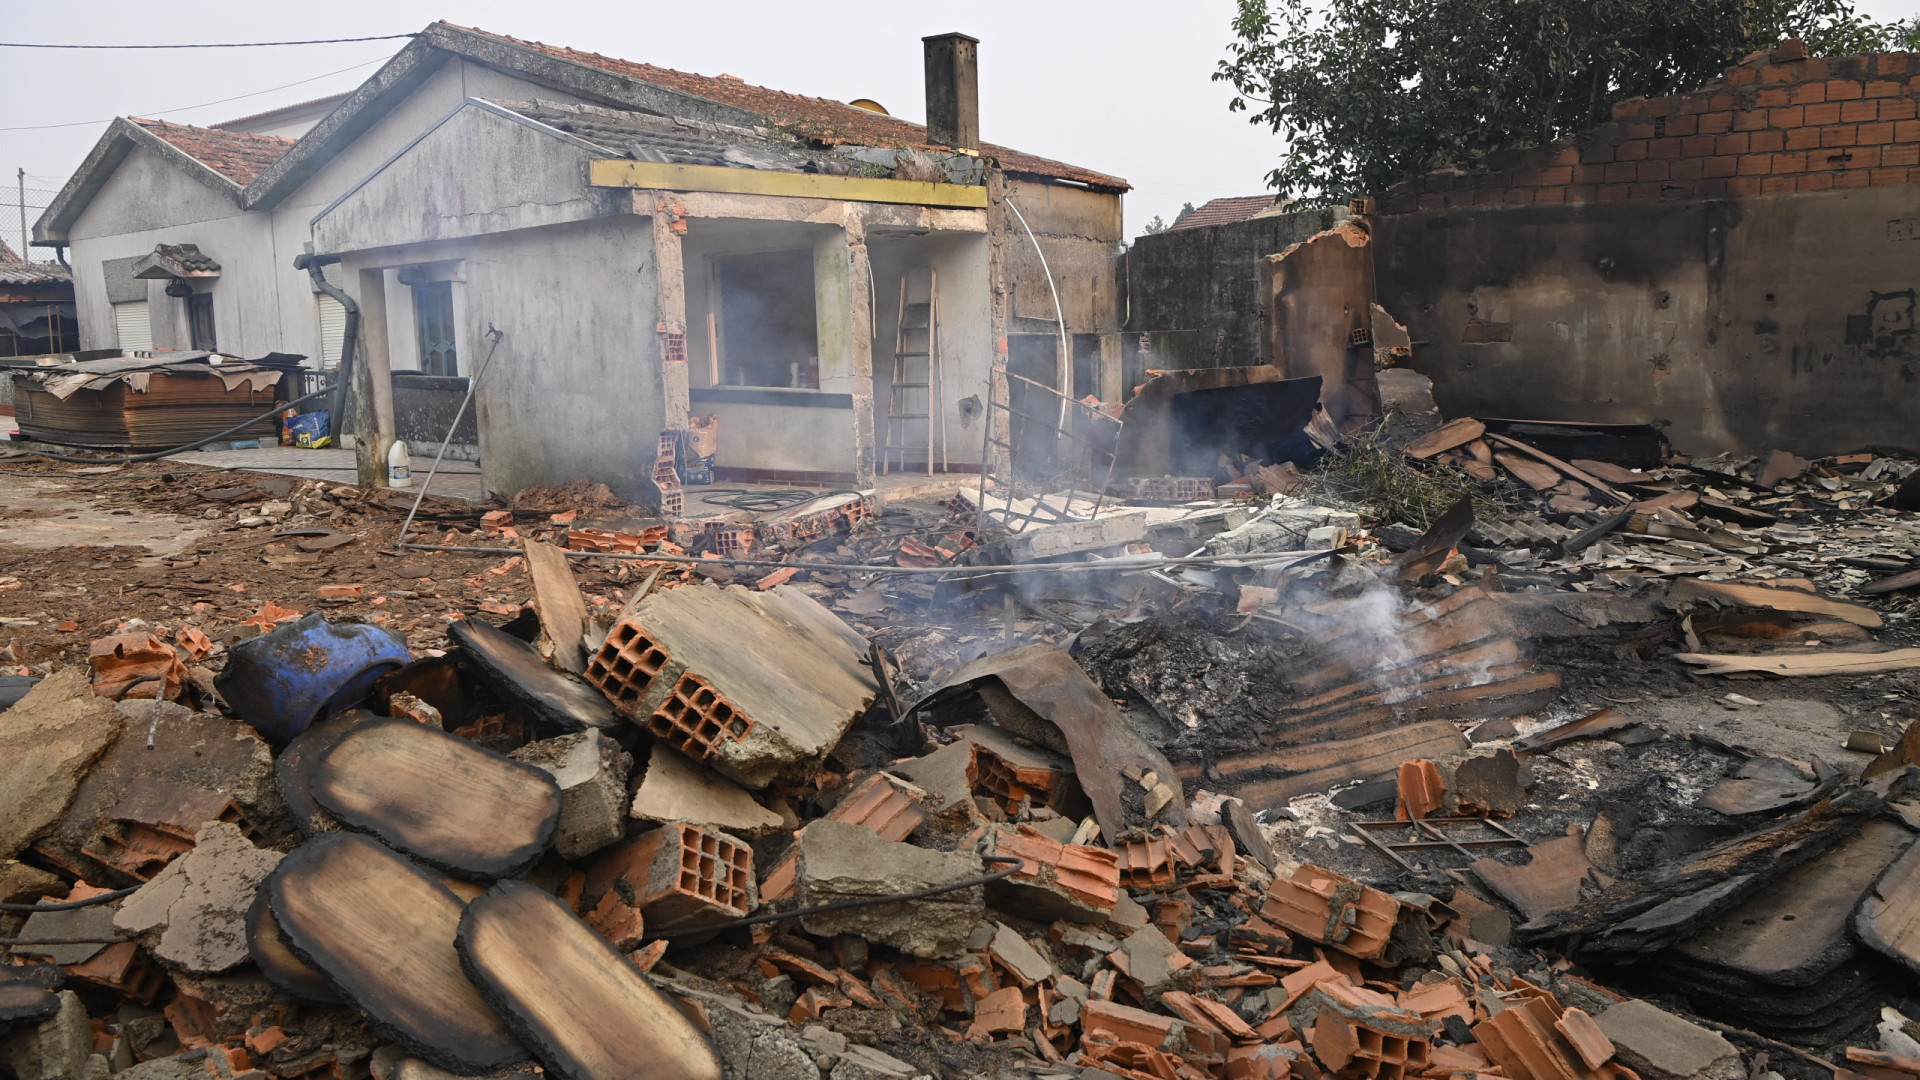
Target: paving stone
[1661,1046]
[193,914]
[49,740]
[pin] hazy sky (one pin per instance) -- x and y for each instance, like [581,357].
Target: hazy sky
[1120,86]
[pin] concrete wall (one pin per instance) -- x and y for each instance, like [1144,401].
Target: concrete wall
[574,387]
[1199,289]
[1080,231]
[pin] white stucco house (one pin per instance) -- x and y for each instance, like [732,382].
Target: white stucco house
[650,244]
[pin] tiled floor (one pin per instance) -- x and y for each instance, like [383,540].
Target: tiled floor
[455,480]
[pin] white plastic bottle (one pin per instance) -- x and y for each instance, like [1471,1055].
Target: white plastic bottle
[399,465]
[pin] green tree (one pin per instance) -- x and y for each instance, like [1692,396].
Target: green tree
[1369,92]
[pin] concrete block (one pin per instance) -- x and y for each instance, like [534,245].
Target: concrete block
[678,875]
[57,1048]
[50,738]
[1285,529]
[193,914]
[675,788]
[1661,1046]
[839,861]
[1053,541]
[591,770]
[757,686]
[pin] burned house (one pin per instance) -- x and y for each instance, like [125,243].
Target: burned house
[1736,264]
[834,284]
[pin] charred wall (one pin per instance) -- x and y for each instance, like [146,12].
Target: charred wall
[1735,324]
[1198,290]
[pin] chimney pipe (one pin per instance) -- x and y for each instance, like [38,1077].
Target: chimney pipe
[953,91]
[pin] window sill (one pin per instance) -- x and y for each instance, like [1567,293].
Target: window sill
[768,395]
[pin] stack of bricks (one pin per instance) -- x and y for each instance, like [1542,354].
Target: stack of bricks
[672,498]
[1778,123]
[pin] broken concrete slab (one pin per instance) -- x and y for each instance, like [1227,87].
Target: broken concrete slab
[49,740]
[1019,956]
[1661,1046]
[859,1062]
[675,788]
[57,1048]
[196,751]
[193,914]
[713,673]
[591,770]
[838,861]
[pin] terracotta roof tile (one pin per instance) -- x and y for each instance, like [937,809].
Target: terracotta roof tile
[822,119]
[1224,211]
[237,156]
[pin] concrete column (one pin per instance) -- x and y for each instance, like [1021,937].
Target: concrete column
[372,390]
[860,343]
[669,225]
[1112,371]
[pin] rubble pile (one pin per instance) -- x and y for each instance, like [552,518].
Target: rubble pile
[1606,769]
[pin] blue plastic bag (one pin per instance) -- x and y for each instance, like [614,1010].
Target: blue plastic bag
[311,431]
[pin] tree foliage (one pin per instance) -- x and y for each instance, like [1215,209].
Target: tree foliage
[1369,92]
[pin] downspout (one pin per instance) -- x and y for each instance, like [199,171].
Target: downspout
[314,266]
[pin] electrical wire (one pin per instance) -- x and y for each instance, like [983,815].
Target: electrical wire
[211,45]
[865,901]
[1122,563]
[69,905]
[204,104]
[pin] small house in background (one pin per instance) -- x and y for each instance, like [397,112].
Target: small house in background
[836,285]
[36,307]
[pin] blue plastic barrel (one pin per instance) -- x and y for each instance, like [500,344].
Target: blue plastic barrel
[305,670]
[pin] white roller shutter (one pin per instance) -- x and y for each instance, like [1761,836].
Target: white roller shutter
[333,331]
[130,322]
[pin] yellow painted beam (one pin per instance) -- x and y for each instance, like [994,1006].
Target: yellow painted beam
[656,176]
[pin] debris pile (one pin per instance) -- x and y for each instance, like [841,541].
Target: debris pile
[1189,783]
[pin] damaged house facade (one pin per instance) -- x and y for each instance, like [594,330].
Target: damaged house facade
[833,284]
[1737,265]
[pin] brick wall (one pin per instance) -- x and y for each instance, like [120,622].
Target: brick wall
[1776,124]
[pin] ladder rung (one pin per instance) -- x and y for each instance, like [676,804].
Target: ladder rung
[907,416]
[910,386]
[910,352]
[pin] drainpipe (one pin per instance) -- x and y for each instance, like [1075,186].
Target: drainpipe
[315,265]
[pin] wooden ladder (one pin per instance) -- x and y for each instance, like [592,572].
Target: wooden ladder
[916,421]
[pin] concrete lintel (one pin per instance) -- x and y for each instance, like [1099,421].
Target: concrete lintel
[620,173]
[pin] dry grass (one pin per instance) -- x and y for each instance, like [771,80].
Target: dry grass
[1384,486]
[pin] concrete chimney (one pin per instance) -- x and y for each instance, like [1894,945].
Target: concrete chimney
[953,91]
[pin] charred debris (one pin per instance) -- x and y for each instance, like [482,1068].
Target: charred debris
[1486,748]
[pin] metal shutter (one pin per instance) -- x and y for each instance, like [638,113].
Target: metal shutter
[130,322]
[333,331]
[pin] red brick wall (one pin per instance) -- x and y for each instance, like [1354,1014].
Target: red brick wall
[1776,124]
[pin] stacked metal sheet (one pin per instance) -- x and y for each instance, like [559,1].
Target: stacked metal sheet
[148,402]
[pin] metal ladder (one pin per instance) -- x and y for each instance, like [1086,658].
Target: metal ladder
[915,396]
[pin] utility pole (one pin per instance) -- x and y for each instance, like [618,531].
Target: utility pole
[23,217]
